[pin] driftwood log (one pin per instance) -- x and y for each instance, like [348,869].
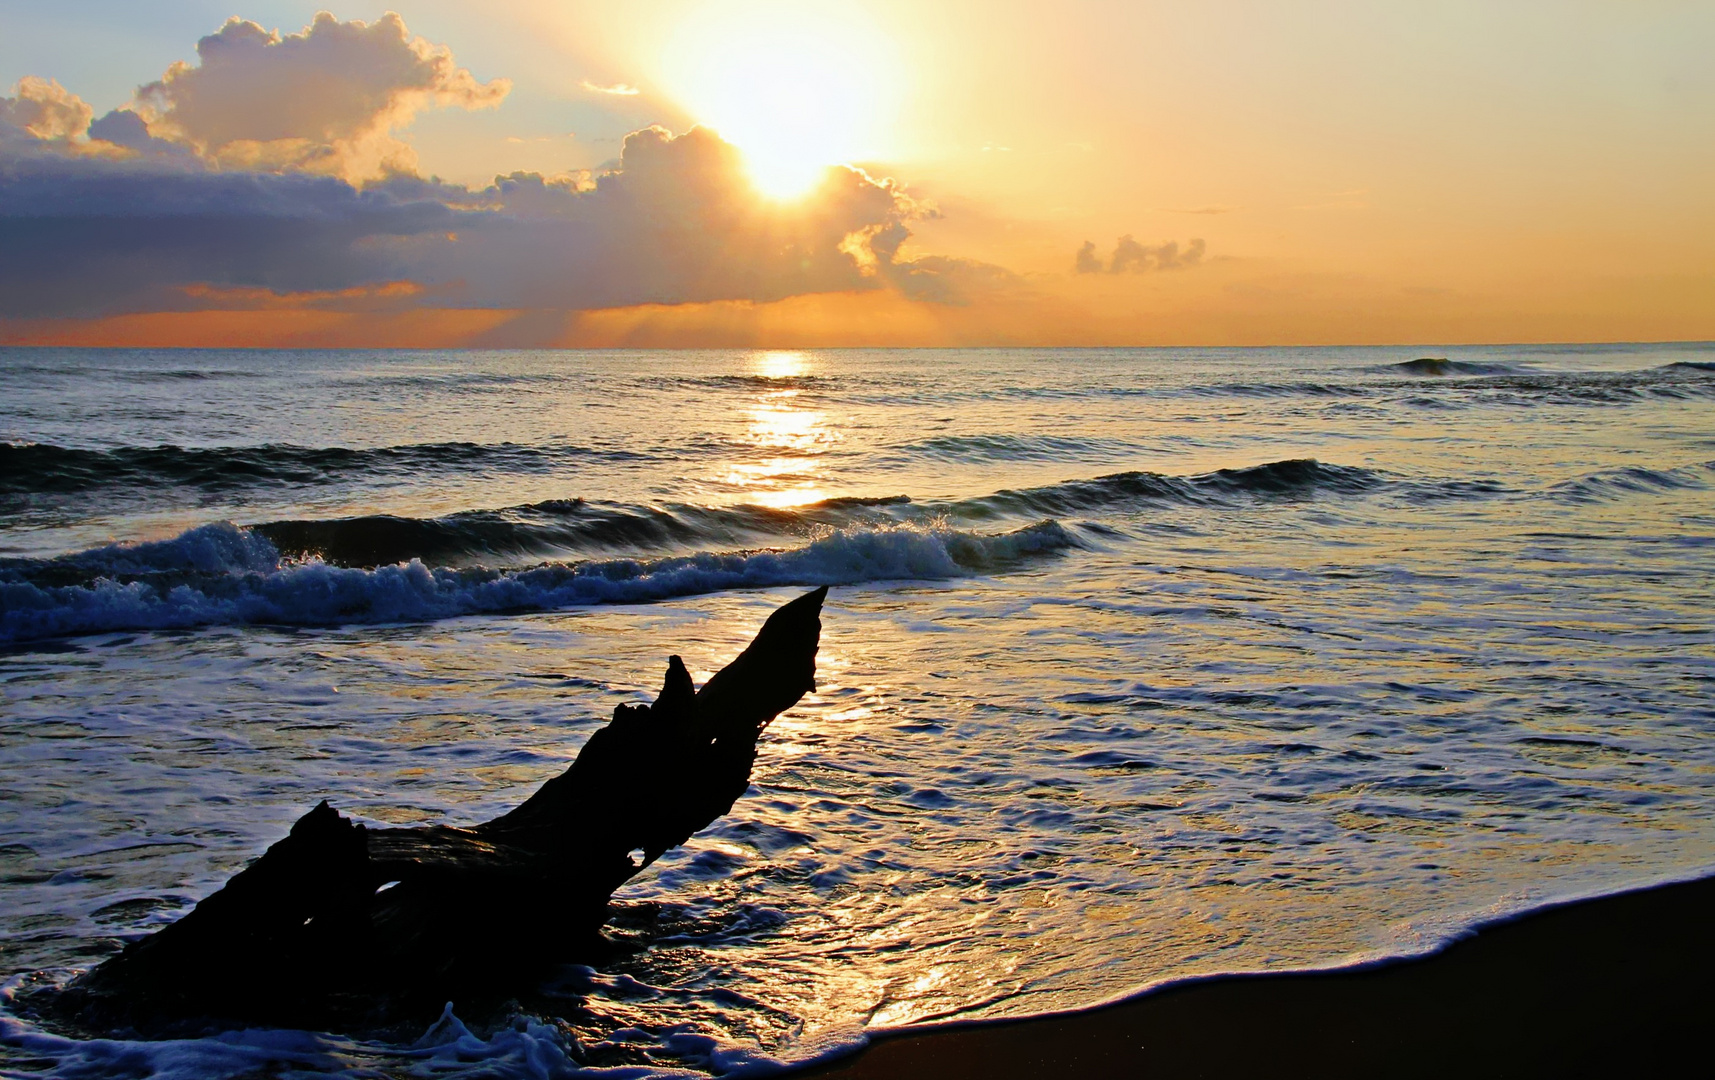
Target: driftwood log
[339,925]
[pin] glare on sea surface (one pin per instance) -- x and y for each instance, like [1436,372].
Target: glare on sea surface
[780,364]
[791,436]
[797,88]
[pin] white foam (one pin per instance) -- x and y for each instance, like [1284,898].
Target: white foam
[233,576]
[230,1053]
[526,1048]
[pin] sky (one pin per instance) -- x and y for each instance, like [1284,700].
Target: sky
[876,172]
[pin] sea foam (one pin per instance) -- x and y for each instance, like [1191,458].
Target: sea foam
[222,574]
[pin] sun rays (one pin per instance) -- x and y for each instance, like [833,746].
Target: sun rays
[798,88]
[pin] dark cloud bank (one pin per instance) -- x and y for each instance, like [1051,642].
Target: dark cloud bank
[270,172]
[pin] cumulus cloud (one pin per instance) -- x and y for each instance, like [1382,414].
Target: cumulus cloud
[1129,255]
[43,109]
[263,179]
[326,100]
[125,130]
[676,222]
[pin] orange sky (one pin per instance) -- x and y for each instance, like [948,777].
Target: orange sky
[1355,172]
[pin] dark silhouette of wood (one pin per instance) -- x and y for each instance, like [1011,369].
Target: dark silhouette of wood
[338,925]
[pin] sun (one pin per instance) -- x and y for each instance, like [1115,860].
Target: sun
[796,87]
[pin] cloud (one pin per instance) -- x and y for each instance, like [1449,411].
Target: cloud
[387,296]
[43,109]
[936,279]
[82,236]
[1129,255]
[268,178]
[326,99]
[619,89]
[677,222]
[126,130]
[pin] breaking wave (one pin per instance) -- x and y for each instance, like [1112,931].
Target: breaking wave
[567,553]
[222,574]
[559,527]
[574,525]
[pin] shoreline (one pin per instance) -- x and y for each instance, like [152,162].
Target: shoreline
[1627,979]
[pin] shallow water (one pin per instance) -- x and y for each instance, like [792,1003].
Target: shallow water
[1139,663]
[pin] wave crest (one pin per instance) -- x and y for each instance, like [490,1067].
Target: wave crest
[1440,366]
[1637,480]
[1292,478]
[43,468]
[558,528]
[225,575]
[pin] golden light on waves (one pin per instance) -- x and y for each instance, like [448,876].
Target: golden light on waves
[792,437]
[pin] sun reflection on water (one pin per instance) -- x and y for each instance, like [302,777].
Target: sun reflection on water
[792,435]
[780,363]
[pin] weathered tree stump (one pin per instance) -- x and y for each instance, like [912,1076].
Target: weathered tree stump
[338,925]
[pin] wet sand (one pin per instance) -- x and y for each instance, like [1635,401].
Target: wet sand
[1623,985]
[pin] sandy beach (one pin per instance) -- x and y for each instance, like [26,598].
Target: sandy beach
[1617,986]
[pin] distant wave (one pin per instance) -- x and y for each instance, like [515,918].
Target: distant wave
[1011,448]
[222,574]
[1441,366]
[1427,382]
[183,374]
[1432,384]
[35,468]
[1297,477]
[1620,483]
[749,383]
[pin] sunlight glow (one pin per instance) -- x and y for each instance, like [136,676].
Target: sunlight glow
[798,88]
[784,440]
[780,364]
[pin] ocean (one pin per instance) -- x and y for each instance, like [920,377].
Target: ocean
[1138,664]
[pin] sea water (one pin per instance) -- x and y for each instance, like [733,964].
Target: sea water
[1137,664]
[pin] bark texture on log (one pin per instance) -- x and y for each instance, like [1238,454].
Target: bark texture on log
[338,925]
